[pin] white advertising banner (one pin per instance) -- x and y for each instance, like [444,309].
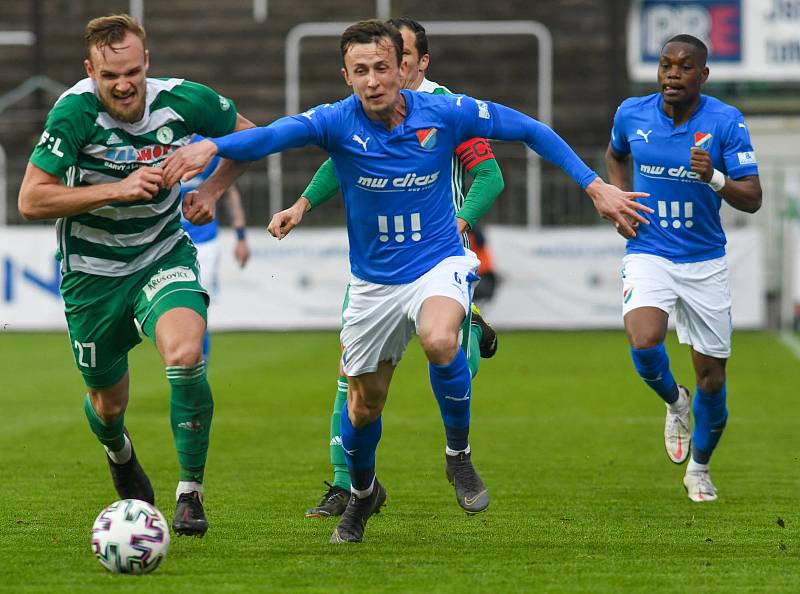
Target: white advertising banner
[755,40]
[560,278]
[570,278]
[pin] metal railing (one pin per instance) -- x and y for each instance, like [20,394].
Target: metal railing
[544,89]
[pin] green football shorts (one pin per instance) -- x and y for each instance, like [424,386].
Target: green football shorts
[102,311]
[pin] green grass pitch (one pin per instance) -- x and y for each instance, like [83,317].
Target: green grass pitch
[566,437]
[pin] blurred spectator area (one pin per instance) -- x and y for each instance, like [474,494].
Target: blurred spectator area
[221,44]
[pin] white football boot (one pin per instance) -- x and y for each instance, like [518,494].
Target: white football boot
[677,435]
[699,486]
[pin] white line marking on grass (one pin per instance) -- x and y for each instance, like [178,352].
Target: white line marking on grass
[792,342]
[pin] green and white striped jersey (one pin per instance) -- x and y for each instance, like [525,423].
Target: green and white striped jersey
[84,145]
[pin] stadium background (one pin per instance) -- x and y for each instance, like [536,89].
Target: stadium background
[239,48]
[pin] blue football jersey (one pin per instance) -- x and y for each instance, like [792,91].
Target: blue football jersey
[396,184]
[200,233]
[685,226]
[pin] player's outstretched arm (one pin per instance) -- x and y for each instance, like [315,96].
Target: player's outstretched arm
[610,202]
[618,206]
[199,206]
[284,221]
[246,145]
[43,196]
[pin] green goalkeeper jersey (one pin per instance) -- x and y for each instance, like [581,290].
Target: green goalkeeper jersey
[84,145]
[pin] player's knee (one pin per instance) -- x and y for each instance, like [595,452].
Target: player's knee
[184,354]
[363,413]
[440,347]
[645,339]
[711,382]
[107,408]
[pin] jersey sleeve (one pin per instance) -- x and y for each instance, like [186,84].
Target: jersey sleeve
[619,139]
[210,114]
[470,118]
[255,143]
[65,132]
[322,121]
[323,185]
[508,124]
[486,187]
[737,150]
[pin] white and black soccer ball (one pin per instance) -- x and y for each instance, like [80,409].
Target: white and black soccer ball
[130,536]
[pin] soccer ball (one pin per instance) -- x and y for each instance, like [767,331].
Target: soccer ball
[130,536]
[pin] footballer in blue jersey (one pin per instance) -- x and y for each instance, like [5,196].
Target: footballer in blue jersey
[689,152]
[205,238]
[392,151]
[474,157]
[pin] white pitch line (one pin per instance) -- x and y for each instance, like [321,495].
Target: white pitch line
[792,342]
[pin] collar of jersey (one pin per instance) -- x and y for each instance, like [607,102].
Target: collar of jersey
[397,131]
[667,121]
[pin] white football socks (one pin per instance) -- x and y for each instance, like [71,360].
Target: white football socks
[680,406]
[121,456]
[188,487]
[450,452]
[695,467]
[366,492]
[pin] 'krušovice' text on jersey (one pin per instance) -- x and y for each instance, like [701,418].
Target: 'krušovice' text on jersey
[397,184]
[84,145]
[685,226]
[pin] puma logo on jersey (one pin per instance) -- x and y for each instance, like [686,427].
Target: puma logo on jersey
[363,143]
[640,132]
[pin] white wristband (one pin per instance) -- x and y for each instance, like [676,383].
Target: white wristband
[717,180]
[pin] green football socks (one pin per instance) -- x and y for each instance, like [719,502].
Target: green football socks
[111,436]
[190,408]
[474,351]
[341,476]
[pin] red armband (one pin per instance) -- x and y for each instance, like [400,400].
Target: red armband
[474,151]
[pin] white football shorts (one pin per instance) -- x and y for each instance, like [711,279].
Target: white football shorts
[380,320]
[208,260]
[698,292]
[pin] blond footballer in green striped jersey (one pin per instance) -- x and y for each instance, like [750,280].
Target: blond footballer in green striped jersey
[126,261]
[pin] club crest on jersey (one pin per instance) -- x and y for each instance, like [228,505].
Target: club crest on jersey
[427,138]
[164,135]
[702,140]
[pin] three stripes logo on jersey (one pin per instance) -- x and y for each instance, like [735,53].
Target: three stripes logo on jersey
[427,138]
[702,140]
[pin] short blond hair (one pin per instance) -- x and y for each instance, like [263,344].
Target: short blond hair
[104,31]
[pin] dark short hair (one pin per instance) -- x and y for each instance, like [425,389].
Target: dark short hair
[111,29]
[372,31]
[701,48]
[420,36]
